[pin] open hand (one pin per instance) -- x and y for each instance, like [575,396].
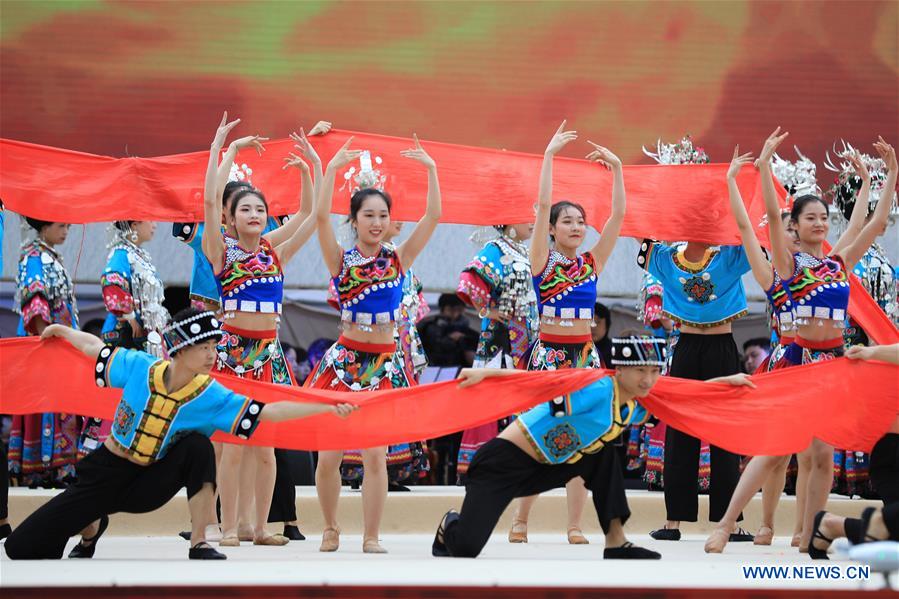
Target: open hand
[774,140]
[223,130]
[418,154]
[855,159]
[292,160]
[560,139]
[344,409]
[887,153]
[604,156]
[250,141]
[738,162]
[304,147]
[320,128]
[344,155]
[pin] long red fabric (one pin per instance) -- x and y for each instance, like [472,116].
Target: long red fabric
[779,417]
[479,186]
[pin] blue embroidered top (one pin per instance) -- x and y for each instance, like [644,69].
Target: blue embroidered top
[250,281]
[781,307]
[819,288]
[593,417]
[701,294]
[150,418]
[566,289]
[203,286]
[370,288]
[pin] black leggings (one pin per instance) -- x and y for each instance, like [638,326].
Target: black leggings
[699,357]
[108,484]
[501,472]
[884,470]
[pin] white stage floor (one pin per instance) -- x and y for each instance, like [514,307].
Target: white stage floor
[546,561]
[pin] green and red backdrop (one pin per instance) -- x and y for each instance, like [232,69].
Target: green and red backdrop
[149,78]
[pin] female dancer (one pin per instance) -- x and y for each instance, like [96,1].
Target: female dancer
[406,461]
[43,448]
[251,282]
[369,281]
[497,283]
[133,294]
[816,285]
[565,282]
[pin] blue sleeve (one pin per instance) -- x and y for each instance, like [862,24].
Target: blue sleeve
[735,258]
[274,222]
[117,264]
[189,233]
[655,258]
[232,413]
[115,365]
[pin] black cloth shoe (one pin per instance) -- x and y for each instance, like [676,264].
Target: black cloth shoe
[814,552]
[81,551]
[397,488]
[666,534]
[629,551]
[5,531]
[204,550]
[293,533]
[184,534]
[741,536]
[438,549]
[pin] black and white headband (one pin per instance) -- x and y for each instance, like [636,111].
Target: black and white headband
[191,331]
[638,351]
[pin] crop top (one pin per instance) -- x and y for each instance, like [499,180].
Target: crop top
[250,281]
[819,288]
[566,289]
[370,288]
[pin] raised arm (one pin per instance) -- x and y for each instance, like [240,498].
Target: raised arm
[761,268]
[860,210]
[408,250]
[307,194]
[86,343]
[610,231]
[539,251]
[302,231]
[782,257]
[213,242]
[331,252]
[292,410]
[877,225]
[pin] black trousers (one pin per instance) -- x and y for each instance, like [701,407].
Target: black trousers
[284,497]
[891,520]
[501,472]
[108,484]
[884,468]
[699,357]
[4,482]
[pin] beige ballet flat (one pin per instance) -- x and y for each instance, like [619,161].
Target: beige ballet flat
[576,537]
[717,541]
[230,541]
[765,536]
[272,541]
[372,546]
[797,538]
[330,540]
[519,532]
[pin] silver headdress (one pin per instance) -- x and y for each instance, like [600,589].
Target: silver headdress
[846,184]
[240,173]
[798,178]
[367,176]
[682,152]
